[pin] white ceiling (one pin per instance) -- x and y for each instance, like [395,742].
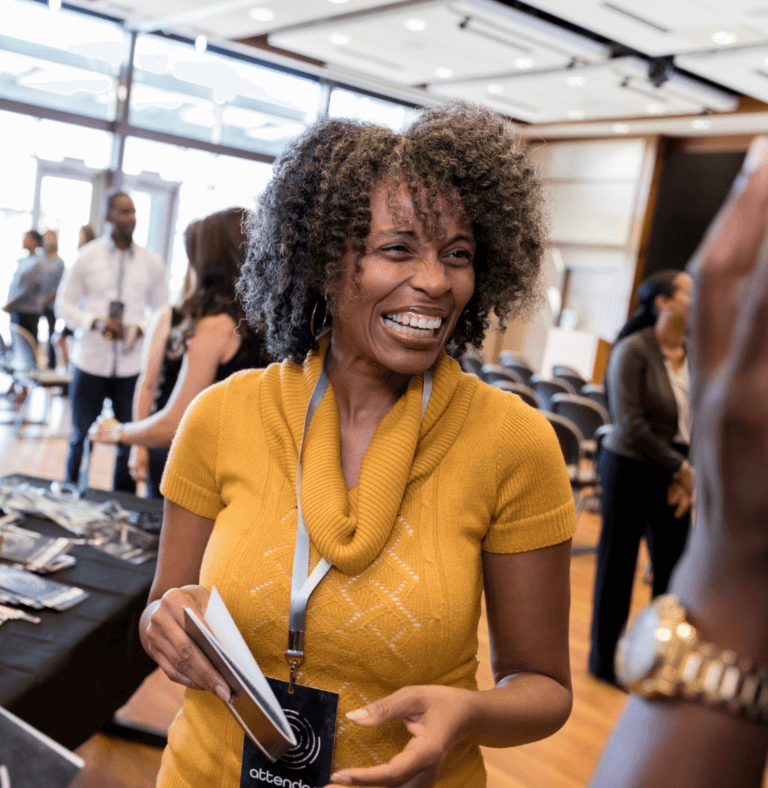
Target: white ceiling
[568,65]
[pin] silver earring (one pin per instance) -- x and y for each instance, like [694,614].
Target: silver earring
[315,328]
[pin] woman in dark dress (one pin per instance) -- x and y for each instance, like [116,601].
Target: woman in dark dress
[189,347]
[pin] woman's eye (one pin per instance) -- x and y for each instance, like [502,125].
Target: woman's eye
[460,257]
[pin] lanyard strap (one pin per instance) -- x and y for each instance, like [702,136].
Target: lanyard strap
[303,583]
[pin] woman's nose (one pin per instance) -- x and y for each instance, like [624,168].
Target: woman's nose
[429,276]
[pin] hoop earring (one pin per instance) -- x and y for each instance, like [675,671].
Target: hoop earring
[314,328]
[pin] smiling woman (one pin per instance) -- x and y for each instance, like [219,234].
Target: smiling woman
[370,255]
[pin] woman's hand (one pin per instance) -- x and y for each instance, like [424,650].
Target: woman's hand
[105,430]
[164,639]
[679,497]
[138,463]
[437,717]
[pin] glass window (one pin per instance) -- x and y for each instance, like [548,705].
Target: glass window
[208,183]
[358,106]
[208,96]
[63,60]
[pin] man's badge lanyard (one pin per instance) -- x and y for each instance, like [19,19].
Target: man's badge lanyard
[303,583]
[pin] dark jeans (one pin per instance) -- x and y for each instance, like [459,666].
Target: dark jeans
[27,321]
[87,394]
[157,460]
[634,502]
[50,318]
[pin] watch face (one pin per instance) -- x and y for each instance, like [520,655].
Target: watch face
[637,649]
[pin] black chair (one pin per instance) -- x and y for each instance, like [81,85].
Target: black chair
[472,366]
[512,358]
[490,373]
[27,373]
[596,393]
[570,438]
[560,370]
[586,414]
[522,391]
[546,388]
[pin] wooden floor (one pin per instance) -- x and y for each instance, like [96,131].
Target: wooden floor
[565,760]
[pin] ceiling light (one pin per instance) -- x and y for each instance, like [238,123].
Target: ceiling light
[338,2]
[495,90]
[416,25]
[575,114]
[655,109]
[701,123]
[575,81]
[339,39]
[262,14]
[523,62]
[443,72]
[724,37]
[621,128]
[201,43]
[54,5]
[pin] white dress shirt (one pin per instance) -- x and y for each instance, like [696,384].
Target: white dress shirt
[103,273]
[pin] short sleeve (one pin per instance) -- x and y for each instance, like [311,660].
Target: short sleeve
[190,478]
[534,504]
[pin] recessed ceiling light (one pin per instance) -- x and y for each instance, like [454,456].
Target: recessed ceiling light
[655,109]
[262,14]
[575,114]
[575,81]
[443,72]
[523,62]
[338,2]
[725,37]
[201,43]
[54,5]
[339,39]
[622,128]
[701,123]
[416,25]
[494,89]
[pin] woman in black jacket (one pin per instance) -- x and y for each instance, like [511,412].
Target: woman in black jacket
[647,482]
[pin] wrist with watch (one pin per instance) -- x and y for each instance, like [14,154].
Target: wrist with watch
[117,433]
[661,656]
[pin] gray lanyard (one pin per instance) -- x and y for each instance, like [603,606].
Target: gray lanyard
[303,583]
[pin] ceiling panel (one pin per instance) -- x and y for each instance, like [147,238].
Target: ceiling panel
[438,40]
[744,70]
[666,27]
[617,88]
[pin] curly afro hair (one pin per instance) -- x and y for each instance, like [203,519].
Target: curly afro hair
[318,202]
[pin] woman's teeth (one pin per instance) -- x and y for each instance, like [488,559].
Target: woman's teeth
[413,325]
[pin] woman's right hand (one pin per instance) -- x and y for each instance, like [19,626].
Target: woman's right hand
[138,463]
[164,639]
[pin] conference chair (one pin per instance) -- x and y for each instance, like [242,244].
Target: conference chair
[28,373]
[472,366]
[586,414]
[596,393]
[546,388]
[517,364]
[522,391]
[493,372]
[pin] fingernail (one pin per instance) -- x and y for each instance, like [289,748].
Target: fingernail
[335,778]
[223,692]
[357,714]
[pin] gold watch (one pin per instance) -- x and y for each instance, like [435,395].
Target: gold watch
[660,655]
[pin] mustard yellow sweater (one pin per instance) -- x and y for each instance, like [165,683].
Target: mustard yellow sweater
[401,605]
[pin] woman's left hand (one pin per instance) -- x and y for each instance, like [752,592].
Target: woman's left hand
[680,497]
[104,431]
[437,717]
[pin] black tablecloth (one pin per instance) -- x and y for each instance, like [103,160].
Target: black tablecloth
[69,674]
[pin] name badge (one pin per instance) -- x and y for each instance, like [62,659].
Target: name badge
[312,716]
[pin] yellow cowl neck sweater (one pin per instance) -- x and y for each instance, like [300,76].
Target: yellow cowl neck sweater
[401,604]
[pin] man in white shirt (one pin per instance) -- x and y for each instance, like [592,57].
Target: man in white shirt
[107,298]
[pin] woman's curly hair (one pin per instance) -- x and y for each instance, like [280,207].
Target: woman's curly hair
[318,201]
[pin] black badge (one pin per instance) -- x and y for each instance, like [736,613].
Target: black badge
[116,309]
[312,716]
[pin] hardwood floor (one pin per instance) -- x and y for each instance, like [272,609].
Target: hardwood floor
[565,760]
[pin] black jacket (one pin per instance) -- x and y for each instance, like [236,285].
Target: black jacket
[641,402]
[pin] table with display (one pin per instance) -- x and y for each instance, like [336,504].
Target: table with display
[68,675]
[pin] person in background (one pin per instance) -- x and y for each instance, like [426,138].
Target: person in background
[108,297]
[24,296]
[697,660]
[86,235]
[203,340]
[645,476]
[53,269]
[372,252]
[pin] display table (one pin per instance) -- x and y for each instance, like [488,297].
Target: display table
[68,675]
